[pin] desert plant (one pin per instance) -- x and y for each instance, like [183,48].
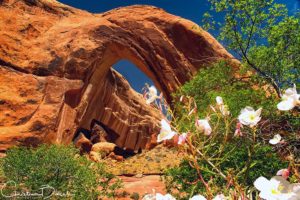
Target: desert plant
[56,171]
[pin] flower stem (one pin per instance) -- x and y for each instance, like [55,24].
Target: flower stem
[251,150]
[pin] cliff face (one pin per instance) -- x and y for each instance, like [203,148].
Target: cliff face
[56,76]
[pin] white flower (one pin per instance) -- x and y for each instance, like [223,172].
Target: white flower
[203,125]
[223,108]
[275,140]
[166,132]
[249,116]
[219,100]
[158,196]
[220,197]
[198,197]
[152,95]
[164,197]
[290,99]
[277,189]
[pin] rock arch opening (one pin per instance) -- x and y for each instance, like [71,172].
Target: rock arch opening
[135,77]
[117,108]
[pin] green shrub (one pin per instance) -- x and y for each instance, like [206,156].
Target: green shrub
[59,168]
[219,80]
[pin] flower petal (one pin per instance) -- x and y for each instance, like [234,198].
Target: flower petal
[219,100]
[286,105]
[182,138]
[168,197]
[203,125]
[165,125]
[258,112]
[149,197]
[248,108]
[275,140]
[262,184]
[151,99]
[164,135]
[280,183]
[219,197]
[295,187]
[198,197]
[153,91]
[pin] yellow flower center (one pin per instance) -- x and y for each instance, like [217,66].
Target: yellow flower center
[252,117]
[274,191]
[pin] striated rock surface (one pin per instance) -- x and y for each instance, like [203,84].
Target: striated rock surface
[56,76]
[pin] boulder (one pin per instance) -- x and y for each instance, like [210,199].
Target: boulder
[104,148]
[84,144]
[95,156]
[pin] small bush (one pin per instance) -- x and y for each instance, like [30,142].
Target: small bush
[60,170]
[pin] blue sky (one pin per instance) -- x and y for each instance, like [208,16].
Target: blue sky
[189,9]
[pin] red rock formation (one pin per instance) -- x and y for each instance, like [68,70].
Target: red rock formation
[56,72]
[148,184]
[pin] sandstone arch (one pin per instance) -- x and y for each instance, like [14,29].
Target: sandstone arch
[59,58]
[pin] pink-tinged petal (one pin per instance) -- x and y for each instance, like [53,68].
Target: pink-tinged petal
[208,130]
[203,125]
[182,138]
[285,173]
[238,133]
